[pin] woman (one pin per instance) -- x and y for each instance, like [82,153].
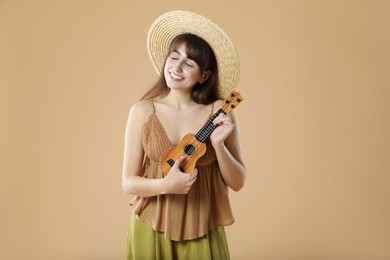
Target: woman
[182,215]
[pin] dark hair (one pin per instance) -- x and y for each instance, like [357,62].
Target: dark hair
[200,51]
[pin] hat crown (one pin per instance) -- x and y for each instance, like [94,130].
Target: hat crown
[170,24]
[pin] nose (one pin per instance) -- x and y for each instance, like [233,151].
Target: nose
[177,67]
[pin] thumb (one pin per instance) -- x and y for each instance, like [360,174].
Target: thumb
[178,162]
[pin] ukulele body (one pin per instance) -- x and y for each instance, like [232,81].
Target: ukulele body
[190,148]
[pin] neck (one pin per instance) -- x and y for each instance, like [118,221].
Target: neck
[180,99]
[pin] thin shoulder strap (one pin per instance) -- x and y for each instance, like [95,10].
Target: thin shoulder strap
[212,109]
[154,109]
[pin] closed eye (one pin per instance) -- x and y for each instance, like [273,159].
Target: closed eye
[175,55]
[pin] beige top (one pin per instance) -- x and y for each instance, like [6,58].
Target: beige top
[182,217]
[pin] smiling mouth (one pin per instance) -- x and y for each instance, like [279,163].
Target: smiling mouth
[175,77]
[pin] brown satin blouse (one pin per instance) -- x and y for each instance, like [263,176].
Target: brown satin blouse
[182,217]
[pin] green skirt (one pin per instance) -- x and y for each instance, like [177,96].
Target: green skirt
[145,243]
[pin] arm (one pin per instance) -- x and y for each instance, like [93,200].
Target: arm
[132,180]
[225,140]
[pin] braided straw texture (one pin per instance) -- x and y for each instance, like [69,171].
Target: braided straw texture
[173,23]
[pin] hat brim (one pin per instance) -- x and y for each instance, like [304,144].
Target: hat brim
[174,23]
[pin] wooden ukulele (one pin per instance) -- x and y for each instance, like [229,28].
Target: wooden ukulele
[193,146]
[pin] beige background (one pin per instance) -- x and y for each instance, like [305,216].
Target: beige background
[314,125]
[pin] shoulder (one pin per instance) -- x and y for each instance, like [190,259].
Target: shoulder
[217,105]
[140,110]
[143,106]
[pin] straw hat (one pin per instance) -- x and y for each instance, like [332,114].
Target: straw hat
[173,23]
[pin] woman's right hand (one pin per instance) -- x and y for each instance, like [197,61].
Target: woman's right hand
[177,182]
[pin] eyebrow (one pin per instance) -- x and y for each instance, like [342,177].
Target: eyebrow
[176,51]
[187,57]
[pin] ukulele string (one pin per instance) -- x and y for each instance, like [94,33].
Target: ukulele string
[204,133]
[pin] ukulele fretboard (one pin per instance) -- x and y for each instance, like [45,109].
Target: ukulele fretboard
[208,128]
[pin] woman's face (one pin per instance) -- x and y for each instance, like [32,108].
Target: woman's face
[181,72]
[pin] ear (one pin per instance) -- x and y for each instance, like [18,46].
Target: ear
[205,76]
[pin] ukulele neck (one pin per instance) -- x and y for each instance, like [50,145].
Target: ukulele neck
[230,103]
[208,128]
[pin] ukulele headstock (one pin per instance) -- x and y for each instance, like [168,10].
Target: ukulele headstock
[231,101]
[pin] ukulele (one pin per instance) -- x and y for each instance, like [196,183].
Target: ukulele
[192,147]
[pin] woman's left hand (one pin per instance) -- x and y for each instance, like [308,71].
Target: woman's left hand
[225,127]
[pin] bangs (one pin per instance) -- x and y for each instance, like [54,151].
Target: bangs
[197,50]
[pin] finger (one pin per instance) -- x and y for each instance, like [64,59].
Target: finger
[177,163]
[226,122]
[222,120]
[218,118]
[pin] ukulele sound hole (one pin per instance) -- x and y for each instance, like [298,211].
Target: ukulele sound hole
[189,149]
